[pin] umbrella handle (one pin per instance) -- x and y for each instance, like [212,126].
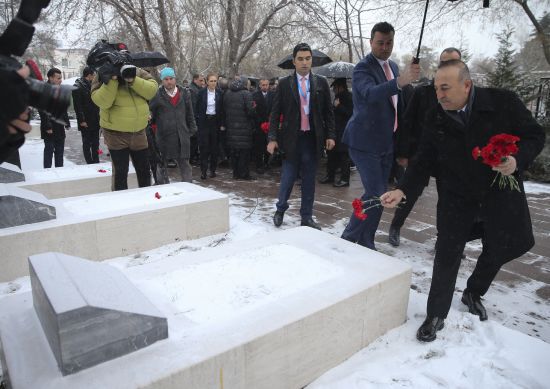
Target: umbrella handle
[416,59]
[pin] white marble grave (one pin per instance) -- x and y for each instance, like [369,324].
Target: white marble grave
[74,180]
[275,311]
[114,224]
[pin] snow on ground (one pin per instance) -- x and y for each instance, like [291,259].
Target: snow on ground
[467,353]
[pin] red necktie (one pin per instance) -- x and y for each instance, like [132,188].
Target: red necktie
[389,76]
[304,123]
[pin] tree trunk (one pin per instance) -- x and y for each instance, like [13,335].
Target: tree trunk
[544,39]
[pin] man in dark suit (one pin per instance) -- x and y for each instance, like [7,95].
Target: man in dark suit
[301,124]
[466,118]
[415,119]
[369,133]
[263,99]
[87,115]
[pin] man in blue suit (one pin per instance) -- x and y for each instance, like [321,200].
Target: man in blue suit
[369,133]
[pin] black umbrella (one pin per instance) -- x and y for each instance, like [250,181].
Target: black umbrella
[148,59]
[338,69]
[319,59]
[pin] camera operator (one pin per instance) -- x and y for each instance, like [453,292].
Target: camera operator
[52,131]
[123,116]
[14,113]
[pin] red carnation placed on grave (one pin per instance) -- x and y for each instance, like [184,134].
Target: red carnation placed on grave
[99,151]
[102,171]
[499,148]
[157,195]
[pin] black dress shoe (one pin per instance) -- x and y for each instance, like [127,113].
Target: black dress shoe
[427,331]
[203,176]
[212,174]
[326,180]
[340,184]
[473,301]
[278,218]
[310,223]
[393,236]
[248,178]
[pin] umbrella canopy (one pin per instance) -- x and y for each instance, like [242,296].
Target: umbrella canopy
[319,59]
[338,69]
[147,59]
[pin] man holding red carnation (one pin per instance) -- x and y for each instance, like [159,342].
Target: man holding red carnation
[470,123]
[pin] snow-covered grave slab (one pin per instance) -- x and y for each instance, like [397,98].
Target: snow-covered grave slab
[73,180]
[90,312]
[275,311]
[112,224]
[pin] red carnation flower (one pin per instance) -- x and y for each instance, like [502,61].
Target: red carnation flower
[157,195]
[99,151]
[102,171]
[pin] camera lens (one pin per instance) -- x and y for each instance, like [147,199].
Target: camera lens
[53,99]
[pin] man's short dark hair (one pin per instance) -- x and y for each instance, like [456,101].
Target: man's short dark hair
[273,80]
[452,50]
[87,71]
[196,76]
[464,72]
[52,71]
[382,27]
[301,47]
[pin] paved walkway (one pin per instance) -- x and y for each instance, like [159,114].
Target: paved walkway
[332,208]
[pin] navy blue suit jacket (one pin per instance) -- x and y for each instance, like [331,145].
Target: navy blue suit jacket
[370,128]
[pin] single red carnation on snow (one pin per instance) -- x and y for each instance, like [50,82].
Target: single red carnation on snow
[157,195]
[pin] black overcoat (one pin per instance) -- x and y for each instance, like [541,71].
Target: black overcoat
[175,124]
[286,102]
[465,189]
[342,114]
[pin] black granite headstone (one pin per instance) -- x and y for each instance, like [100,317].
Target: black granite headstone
[90,312]
[10,173]
[21,206]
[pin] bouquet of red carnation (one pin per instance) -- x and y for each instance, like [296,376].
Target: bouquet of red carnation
[264,127]
[359,211]
[499,148]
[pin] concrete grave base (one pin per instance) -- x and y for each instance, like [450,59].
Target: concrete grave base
[75,180]
[113,224]
[281,309]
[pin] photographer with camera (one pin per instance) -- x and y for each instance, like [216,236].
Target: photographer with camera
[122,91]
[52,131]
[20,88]
[14,115]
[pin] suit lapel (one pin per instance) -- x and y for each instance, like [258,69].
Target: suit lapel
[294,88]
[312,89]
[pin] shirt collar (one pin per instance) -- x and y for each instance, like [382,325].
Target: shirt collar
[299,77]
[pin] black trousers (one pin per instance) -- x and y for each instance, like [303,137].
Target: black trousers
[53,146]
[458,222]
[209,145]
[240,158]
[338,159]
[121,161]
[261,156]
[90,144]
